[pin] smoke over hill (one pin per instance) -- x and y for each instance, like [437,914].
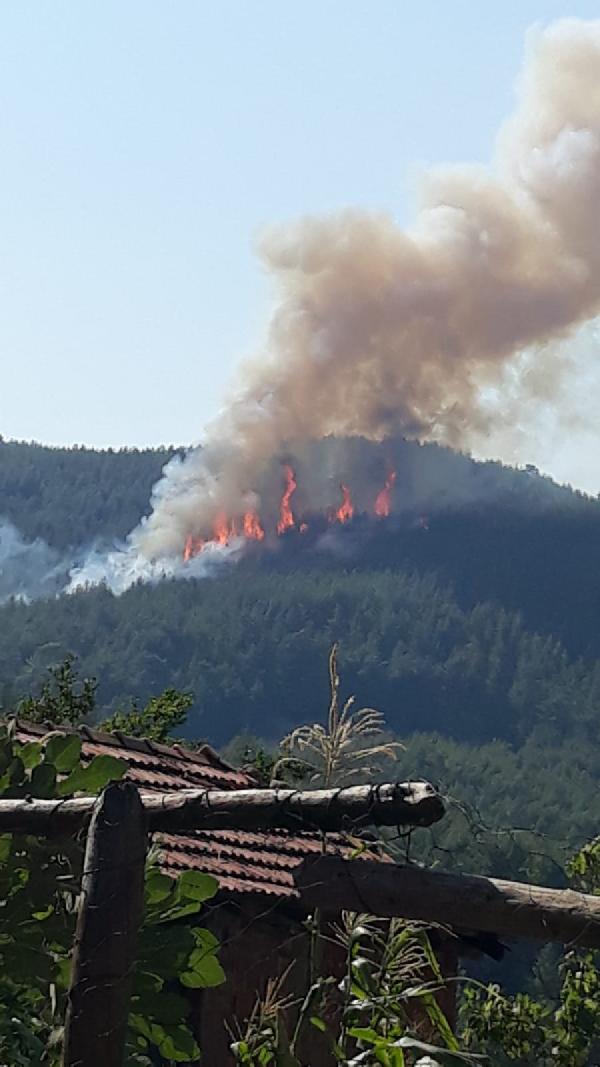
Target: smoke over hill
[440,332]
[430,482]
[380,331]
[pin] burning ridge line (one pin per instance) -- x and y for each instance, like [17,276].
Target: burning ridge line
[250,527]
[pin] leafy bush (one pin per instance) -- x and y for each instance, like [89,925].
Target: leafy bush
[39,886]
[156,720]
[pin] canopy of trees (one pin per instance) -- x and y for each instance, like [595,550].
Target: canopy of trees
[72,496]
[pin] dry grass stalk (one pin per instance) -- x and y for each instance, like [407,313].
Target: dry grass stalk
[347,751]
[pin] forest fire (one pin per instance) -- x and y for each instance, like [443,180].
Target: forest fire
[383,503]
[252,528]
[286,515]
[345,512]
[249,527]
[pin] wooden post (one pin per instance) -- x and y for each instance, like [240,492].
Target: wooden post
[463,901]
[112,898]
[347,808]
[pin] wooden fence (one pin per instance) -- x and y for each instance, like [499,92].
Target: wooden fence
[119,824]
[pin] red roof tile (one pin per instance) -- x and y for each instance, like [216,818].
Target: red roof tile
[245,863]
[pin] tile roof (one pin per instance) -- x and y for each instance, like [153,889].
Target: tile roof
[245,863]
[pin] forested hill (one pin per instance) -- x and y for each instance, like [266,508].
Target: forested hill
[253,650]
[69,496]
[491,533]
[72,496]
[545,565]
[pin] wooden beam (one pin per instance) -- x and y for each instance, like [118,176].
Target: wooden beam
[400,804]
[112,898]
[467,902]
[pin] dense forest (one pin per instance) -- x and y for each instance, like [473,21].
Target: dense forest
[252,648]
[72,496]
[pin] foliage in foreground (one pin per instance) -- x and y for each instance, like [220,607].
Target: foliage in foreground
[380,1009]
[524,1030]
[65,699]
[39,886]
[156,720]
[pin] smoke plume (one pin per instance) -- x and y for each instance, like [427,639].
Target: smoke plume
[28,569]
[381,331]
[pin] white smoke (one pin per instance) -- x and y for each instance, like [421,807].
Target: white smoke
[446,331]
[28,569]
[122,567]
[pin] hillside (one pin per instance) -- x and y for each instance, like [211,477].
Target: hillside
[469,621]
[490,532]
[72,496]
[252,648]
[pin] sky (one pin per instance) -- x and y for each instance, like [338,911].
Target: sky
[144,147]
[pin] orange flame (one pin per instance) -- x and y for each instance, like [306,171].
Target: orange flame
[193,547]
[346,509]
[252,527]
[222,530]
[383,501]
[286,515]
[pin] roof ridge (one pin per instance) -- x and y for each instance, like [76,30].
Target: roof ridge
[204,755]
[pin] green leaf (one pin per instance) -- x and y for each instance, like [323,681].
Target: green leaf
[383,1055]
[158,886]
[396,1058]
[206,972]
[6,754]
[63,751]
[165,949]
[178,911]
[206,942]
[31,753]
[93,778]
[179,1045]
[365,1033]
[16,771]
[138,1023]
[440,1021]
[43,781]
[197,886]
[39,916]
[63,972]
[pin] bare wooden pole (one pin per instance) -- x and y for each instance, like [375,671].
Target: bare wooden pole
[399,804]
[468,902]
[112,896]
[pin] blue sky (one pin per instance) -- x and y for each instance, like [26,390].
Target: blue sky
[145,144]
